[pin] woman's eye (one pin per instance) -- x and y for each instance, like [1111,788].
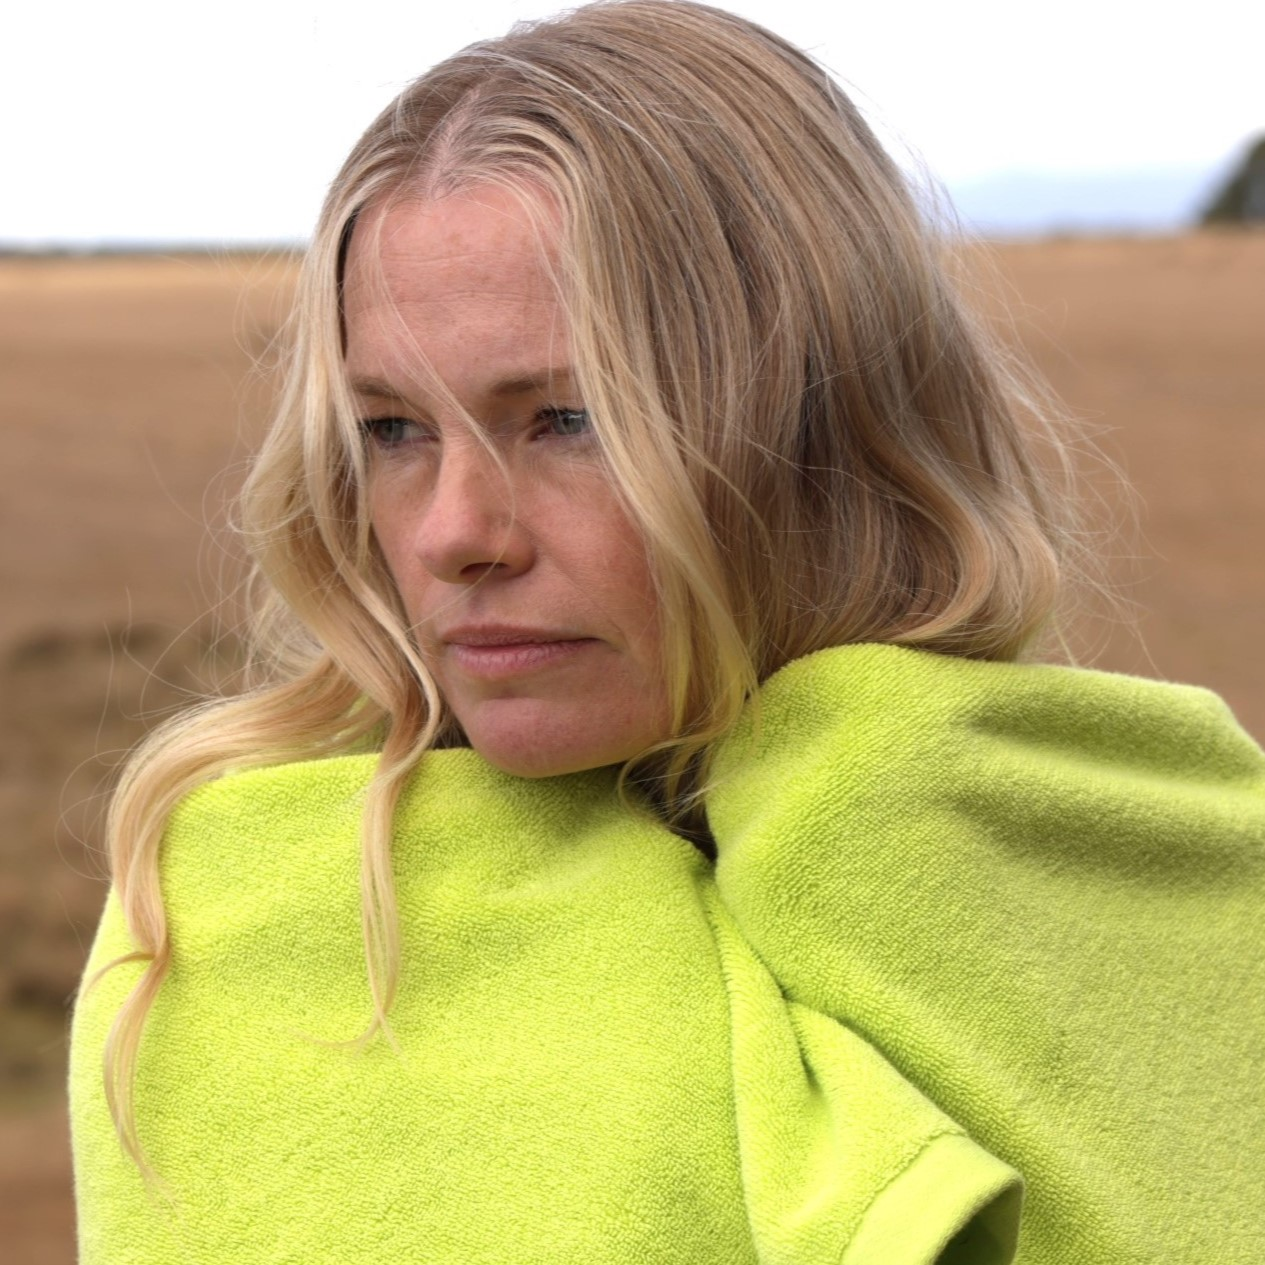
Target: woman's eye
[387,432]
[566,421]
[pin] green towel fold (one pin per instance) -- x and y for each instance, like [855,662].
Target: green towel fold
[967,919]
[591,1067]
[1040,894]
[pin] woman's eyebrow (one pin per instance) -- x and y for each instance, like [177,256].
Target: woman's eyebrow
[374,387]
[536,380]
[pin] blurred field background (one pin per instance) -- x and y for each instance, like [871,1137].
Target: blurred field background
[132,390]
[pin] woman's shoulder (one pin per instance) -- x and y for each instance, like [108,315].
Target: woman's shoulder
[882,728]
[1036,891]
[275,833]
[285,789]
[911,691]
[456,783]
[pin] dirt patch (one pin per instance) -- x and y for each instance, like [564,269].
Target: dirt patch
[37,1220]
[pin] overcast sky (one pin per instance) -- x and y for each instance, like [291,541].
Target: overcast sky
[134,120]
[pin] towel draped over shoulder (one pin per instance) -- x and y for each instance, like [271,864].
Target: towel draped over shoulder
[968,921]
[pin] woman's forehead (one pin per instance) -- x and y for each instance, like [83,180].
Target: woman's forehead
[459,288]
[485,239]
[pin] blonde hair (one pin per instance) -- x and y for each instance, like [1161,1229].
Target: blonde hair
[818,443]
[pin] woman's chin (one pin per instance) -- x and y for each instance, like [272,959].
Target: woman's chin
[538,759]
[536,739]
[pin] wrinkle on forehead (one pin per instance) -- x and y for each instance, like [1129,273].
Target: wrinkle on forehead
[436,292]
[528,216]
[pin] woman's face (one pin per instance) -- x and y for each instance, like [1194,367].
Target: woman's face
[528,590]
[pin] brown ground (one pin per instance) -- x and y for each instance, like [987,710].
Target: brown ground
[128,392]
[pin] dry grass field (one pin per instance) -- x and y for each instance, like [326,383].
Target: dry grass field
[131,391]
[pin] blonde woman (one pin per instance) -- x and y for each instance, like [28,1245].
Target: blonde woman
[645,843]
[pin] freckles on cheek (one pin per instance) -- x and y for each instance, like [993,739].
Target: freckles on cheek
[384,529]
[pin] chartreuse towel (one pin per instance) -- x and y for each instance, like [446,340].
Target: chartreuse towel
[1040,894]
[968,921]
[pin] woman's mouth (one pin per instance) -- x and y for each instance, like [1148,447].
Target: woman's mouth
[497,653]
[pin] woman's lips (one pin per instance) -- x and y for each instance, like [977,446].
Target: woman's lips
[499,660]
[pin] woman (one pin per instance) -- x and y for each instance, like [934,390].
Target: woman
[650,541]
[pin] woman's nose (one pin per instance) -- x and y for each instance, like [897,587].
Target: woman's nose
[471,526]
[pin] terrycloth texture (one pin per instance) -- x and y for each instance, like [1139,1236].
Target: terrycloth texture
[1032,894]
[1040,893]
[592,1066]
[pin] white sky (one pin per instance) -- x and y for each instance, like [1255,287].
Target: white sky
[177,120]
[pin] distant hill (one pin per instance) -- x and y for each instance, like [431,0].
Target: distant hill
[1241,199]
